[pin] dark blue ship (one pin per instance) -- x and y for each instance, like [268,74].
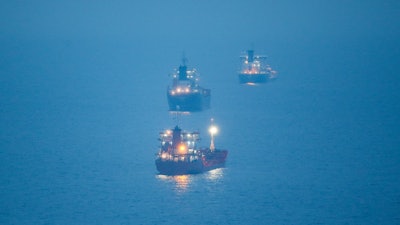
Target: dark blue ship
[186,94]
[254,69]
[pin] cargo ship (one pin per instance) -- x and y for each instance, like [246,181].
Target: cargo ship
[179,153]
[185,94]
[254,69]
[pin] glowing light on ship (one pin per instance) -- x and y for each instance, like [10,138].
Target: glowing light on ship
[213,131]
[182,149]
[164,155]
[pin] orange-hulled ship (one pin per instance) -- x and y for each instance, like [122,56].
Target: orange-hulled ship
[179,153]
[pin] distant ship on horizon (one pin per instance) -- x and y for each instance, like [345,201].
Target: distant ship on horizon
[185,94]
[254,69]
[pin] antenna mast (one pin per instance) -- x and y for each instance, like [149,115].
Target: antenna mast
[213,130]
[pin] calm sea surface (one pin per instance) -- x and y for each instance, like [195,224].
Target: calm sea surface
[79,124]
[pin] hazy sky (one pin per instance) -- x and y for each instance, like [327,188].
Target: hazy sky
[193,20]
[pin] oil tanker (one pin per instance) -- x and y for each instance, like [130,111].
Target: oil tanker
[179,153]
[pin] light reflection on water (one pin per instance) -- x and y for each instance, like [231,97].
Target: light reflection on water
[215,174]
[183,183]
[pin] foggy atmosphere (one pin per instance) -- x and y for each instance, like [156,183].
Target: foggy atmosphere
[87,112]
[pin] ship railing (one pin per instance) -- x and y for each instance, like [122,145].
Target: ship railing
[179,157]
[255,72]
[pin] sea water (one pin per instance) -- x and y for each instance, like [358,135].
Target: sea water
[80,122]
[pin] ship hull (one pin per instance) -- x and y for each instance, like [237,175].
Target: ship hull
[253,78]
[208,162]
[190,102]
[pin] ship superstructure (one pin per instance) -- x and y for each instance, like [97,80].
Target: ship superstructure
[254,69]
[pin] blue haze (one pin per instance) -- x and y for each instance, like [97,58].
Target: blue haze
[83,97]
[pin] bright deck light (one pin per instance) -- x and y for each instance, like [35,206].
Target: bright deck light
[182,149]
[213,130]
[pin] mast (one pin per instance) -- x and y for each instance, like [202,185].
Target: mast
[250,54]
[183,69]
[176,137]
[213,130]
